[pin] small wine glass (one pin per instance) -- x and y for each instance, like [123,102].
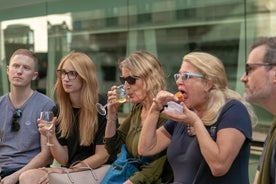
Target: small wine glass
[121,98]
[47,117]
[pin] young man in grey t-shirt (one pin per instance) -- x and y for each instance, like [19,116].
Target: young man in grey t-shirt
[21,145]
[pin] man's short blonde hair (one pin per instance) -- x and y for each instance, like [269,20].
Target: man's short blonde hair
[28,53]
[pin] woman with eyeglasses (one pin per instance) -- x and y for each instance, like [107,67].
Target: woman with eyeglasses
[79,131]
[209,142]
[142,78]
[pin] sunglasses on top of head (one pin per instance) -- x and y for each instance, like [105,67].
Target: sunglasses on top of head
[131,79]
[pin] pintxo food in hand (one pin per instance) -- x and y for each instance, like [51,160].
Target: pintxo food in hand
[180,96]
[174,107]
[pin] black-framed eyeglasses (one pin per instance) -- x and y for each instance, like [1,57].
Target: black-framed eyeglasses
[15,126]
[72,75]
[131,79]
[187,75]
[250,67]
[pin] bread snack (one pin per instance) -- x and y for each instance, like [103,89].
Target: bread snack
[180,96]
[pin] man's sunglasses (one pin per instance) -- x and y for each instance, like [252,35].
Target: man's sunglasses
[15,126]
[130,79]
[252,66]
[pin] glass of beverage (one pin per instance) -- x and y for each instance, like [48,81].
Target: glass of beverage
[121,98]
[121,94]
[47,117]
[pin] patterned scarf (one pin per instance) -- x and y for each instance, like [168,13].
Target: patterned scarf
[264,176]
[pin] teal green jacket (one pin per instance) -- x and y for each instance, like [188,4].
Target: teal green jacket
[128,133]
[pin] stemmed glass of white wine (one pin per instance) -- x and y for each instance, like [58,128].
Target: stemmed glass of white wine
[46,117]
[122,97]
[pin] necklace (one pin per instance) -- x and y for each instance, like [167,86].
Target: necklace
[190,131]
[17,104]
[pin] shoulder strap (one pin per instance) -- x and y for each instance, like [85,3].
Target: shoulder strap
[213,132]
[124,153]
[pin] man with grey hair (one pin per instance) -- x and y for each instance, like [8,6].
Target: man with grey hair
[260,89]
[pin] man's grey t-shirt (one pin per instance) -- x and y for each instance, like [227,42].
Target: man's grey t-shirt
[17,148]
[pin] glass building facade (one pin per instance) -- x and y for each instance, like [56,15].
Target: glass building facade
[108,30]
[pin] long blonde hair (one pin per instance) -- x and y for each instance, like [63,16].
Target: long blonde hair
[145,65]
[213,70]
[88,120]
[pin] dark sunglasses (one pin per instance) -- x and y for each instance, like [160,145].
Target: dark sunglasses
[15,126]
[250,67]
[130,79]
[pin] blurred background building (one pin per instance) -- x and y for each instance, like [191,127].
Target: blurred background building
[108,30]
